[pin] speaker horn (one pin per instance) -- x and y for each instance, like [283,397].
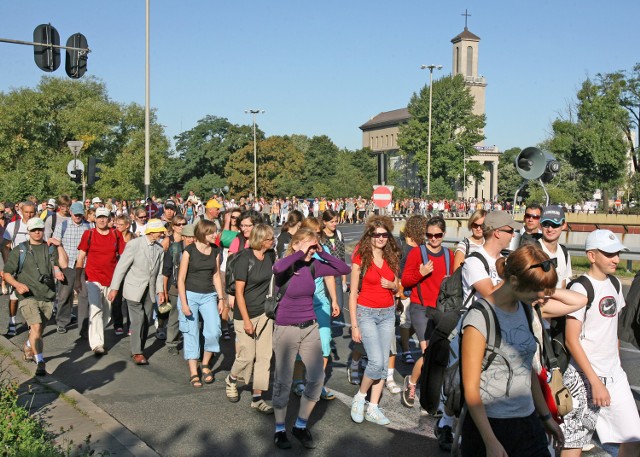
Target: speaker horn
[531,163]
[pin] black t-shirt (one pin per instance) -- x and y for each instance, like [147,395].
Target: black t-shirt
[257,280]
[201,270]
[283,243]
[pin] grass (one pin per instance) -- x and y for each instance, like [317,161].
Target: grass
[581,265]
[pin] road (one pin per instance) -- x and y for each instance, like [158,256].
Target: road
[157,403]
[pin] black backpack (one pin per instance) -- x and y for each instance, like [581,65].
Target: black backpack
[229,274]
[629,320]
[450,297]
[558,324]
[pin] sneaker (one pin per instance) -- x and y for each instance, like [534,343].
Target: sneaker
[376,416]
[408,358]
[62,329]
[281,440]
[11,330]
[445,437]
[262,407]
[231,389]
[119,331]
[304,436]
[408,396]
[41,369]
[129,332]
[173,350]
[393,387]
[353,375]
[161,333]
[28,353]
[298,389]
[226,335]
[99,351]
[357,410]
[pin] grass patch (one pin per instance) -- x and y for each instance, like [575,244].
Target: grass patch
[581,265]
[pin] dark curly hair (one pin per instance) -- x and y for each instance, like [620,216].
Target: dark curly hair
[391,252]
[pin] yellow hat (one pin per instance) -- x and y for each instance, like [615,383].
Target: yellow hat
[154,226]
[213,203]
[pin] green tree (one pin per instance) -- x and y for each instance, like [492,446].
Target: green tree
[593,140]
[354,175]
[508,178]
[320,164]
[454,130]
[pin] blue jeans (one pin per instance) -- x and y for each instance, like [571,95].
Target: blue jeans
[207,305]
[377,327]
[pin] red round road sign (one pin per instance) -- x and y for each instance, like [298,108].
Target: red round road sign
[381,196]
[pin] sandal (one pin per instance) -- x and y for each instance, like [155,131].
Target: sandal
[195,381]
[207,375]
[326,394]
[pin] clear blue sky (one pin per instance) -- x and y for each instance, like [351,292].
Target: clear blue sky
[327,67]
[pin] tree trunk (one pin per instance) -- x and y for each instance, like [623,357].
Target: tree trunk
[605,201]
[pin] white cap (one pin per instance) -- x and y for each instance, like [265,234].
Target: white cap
[52,203]
[96,200]
[35,223]
[102,212]
[604,240]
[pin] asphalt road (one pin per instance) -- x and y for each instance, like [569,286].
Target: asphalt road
[157,403]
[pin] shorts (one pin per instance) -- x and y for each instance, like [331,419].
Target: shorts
[35,311]
[405,317]
[423,326]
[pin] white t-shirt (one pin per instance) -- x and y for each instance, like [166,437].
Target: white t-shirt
[564,269]
[473,271]
[599,336]
[21,235]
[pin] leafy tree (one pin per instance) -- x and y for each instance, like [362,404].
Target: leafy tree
[508,178]
[354,175]
[454,130]
[592,138]
[320,164]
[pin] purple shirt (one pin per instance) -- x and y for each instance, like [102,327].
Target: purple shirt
[297,304]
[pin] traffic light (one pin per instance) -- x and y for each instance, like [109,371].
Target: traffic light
[47,58]
[92,174]
[77,176]
[76,62]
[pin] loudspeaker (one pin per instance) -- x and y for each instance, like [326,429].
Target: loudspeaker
[531,163]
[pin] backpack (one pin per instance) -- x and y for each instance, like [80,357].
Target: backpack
[629,320]
[425,258]
[230,274]
[558,324]
[116,244]
[451,295]
[65,225]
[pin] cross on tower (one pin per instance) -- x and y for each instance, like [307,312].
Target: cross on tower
[466,16]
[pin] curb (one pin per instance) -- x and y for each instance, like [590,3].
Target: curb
[87,410]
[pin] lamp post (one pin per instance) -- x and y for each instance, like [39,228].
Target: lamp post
[431,68]
[147,112]
[253,112]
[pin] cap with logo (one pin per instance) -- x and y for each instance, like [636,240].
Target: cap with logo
[604,240]
[154,226]
[77,208]
[35,223]
[102,212]
[553,213]
[497,219]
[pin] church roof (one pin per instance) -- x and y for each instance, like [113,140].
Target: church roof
[385,118]
[465,35]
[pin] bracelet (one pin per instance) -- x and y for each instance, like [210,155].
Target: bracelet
[546,417]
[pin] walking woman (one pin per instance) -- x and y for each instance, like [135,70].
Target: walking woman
[290,227]
[200,292]
[296,331]
[508,414]
[332,238]
[375,266]
[471,244]
[253,270]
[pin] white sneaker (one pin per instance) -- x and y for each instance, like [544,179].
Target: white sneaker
[393,387]
[357,409]
[376,416]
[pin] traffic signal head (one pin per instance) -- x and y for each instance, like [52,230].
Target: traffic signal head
[92,174]
[76,62]
[77,176]
[47,58]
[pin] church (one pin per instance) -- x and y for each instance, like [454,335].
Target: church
[380,133]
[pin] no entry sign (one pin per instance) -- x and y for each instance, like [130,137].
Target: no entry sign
[381,196]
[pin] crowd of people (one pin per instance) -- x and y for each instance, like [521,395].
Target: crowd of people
[201,272]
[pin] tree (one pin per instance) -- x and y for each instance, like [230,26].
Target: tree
[454,130]
[320,164]
[354,175]
[593,138]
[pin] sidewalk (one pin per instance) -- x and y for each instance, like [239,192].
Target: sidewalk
[66,413]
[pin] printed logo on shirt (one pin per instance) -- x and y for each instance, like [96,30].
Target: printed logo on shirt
[608,307]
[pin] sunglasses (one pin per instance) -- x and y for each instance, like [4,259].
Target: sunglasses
[233,218]
[509,231]
[143,217]
[476,226]
[549,224]
[437,236]
[380,235]
[531,216]
[181,224]
[546,265]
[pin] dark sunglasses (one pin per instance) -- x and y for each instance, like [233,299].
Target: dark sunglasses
[509,231]
[549,224]
[531,216]
[546,265]
[437,236]
[233,218]
[380,235]
[181,224]
[475,226]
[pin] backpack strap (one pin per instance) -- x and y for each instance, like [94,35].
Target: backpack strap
[63,230]
[54,220]
[550,359]
[16,229]
[22,257]
[472,292]
[424,253]
[467,246]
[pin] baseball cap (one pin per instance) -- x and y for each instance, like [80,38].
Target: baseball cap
[553,213]
[603,240]
[96,200]
[170,204]
[497,219]
[51,203]
[189,230]
[35,223]
[102,212]
[77,208]
[154,226]
[213,203]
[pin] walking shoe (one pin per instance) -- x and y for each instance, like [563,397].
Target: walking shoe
[62,329]
[119,331]
[161,333]
[173,350]
[445,437]
[99,351]
[353,375]
[231,389]
[357,409]
[298,388]
[11,330]
[376,416]
[226,335]
[28,353]
[326,394]
[408,358]
[304,436]
[262,407]
[281,440]
[393,387]
[408,396]
[41,369]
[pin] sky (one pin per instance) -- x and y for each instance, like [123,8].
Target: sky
[325,68]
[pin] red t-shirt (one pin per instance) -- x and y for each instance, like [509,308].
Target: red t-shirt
[430,286]
[101,255]
[372,294]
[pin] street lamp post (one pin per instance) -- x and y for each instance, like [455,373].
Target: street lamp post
[255,150]
[431,68]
